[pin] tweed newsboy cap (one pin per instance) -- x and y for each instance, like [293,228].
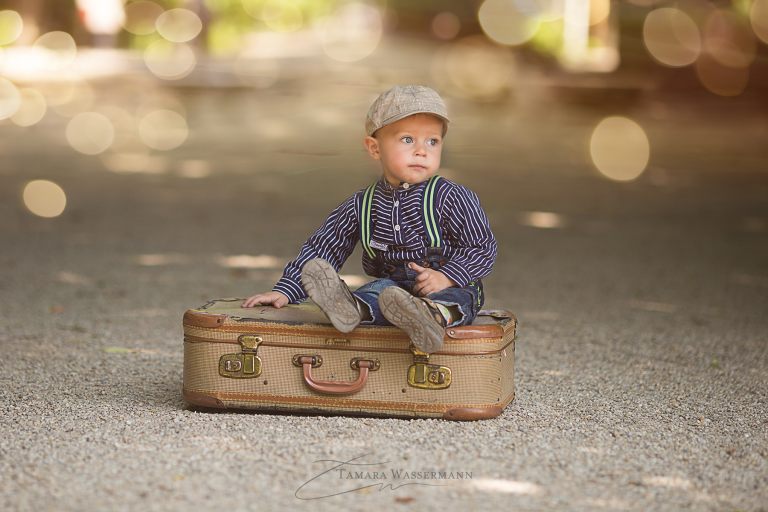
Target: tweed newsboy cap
[402,101]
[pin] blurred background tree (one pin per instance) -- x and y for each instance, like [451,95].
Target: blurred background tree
[720,44]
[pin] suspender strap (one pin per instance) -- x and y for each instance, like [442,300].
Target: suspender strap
[430,219]
[430,222]
[365,221]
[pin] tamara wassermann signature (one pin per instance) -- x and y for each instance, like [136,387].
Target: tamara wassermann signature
[350,474]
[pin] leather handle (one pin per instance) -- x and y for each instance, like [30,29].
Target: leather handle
[334,387]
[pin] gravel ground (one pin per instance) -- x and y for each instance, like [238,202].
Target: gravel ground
[641,358]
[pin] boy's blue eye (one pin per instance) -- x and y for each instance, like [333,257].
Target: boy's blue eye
[407,139]
[433,142]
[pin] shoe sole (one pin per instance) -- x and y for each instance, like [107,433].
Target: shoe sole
[412,315]
[327,290]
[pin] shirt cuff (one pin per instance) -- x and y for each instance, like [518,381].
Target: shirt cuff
[456,274]
[291,289]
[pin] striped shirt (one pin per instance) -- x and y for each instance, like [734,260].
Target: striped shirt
[397,226]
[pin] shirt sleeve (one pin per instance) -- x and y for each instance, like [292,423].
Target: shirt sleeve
[473,246]
[334,241]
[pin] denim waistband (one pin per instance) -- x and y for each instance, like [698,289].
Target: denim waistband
[399,272]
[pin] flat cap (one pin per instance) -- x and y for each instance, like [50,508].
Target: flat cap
[402,101]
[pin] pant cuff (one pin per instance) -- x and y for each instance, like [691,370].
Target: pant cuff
[366,311]
[463,315]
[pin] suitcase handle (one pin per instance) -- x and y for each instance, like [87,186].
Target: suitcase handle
[335,387]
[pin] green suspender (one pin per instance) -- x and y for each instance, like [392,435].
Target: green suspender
[433,231]
[365,221]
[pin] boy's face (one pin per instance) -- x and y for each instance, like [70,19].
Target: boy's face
[409,149]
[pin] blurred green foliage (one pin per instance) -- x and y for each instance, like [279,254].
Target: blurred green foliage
[549,38]
[231,20]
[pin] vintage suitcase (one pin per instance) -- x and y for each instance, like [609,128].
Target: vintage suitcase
[293,360]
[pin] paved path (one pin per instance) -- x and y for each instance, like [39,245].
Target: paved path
[641,362]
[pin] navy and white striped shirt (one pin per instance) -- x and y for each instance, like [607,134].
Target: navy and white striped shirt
[397,222]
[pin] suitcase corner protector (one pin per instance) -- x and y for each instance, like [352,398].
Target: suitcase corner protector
[202,400]
[198,318]
[472,413]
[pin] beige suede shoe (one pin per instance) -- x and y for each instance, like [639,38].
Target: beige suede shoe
[418,317]
[331,293]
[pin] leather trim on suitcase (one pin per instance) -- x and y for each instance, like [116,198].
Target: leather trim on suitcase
[208,320]
[470,332]
[467,332]
[342,403]
[202,399]
[197,339]
[472,413]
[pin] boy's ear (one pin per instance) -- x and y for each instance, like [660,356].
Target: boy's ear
[372,146]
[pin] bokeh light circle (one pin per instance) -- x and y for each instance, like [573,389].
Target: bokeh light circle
[90,133]
[599,10]
[281,16]
[720,79]
[253,8]
[352,33]
[544,10]
[446,25]
[141,17]
[69,97]
[124,124]
[758,17]
[671,37]
[44,198]
[170,61]
[505,23]
[163,130]
[160,100]
[32,109]
[11,27]
[619,148]
[10,98]
[60,46]
[473,68]
[729,40]
[179,25]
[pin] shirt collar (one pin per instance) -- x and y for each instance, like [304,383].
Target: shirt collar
[404,187]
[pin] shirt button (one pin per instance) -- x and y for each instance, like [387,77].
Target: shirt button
[406,186]
[397,203]
[397,227]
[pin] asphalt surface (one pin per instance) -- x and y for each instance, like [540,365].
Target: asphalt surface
[641,360]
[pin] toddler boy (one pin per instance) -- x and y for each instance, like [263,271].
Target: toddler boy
[425,238]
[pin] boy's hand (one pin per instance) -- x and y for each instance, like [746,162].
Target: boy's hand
[429,281]
[276,299]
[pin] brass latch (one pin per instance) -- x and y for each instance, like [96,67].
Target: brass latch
[423,375]
[244,365]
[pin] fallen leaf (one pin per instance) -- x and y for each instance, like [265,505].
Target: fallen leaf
[118,350]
